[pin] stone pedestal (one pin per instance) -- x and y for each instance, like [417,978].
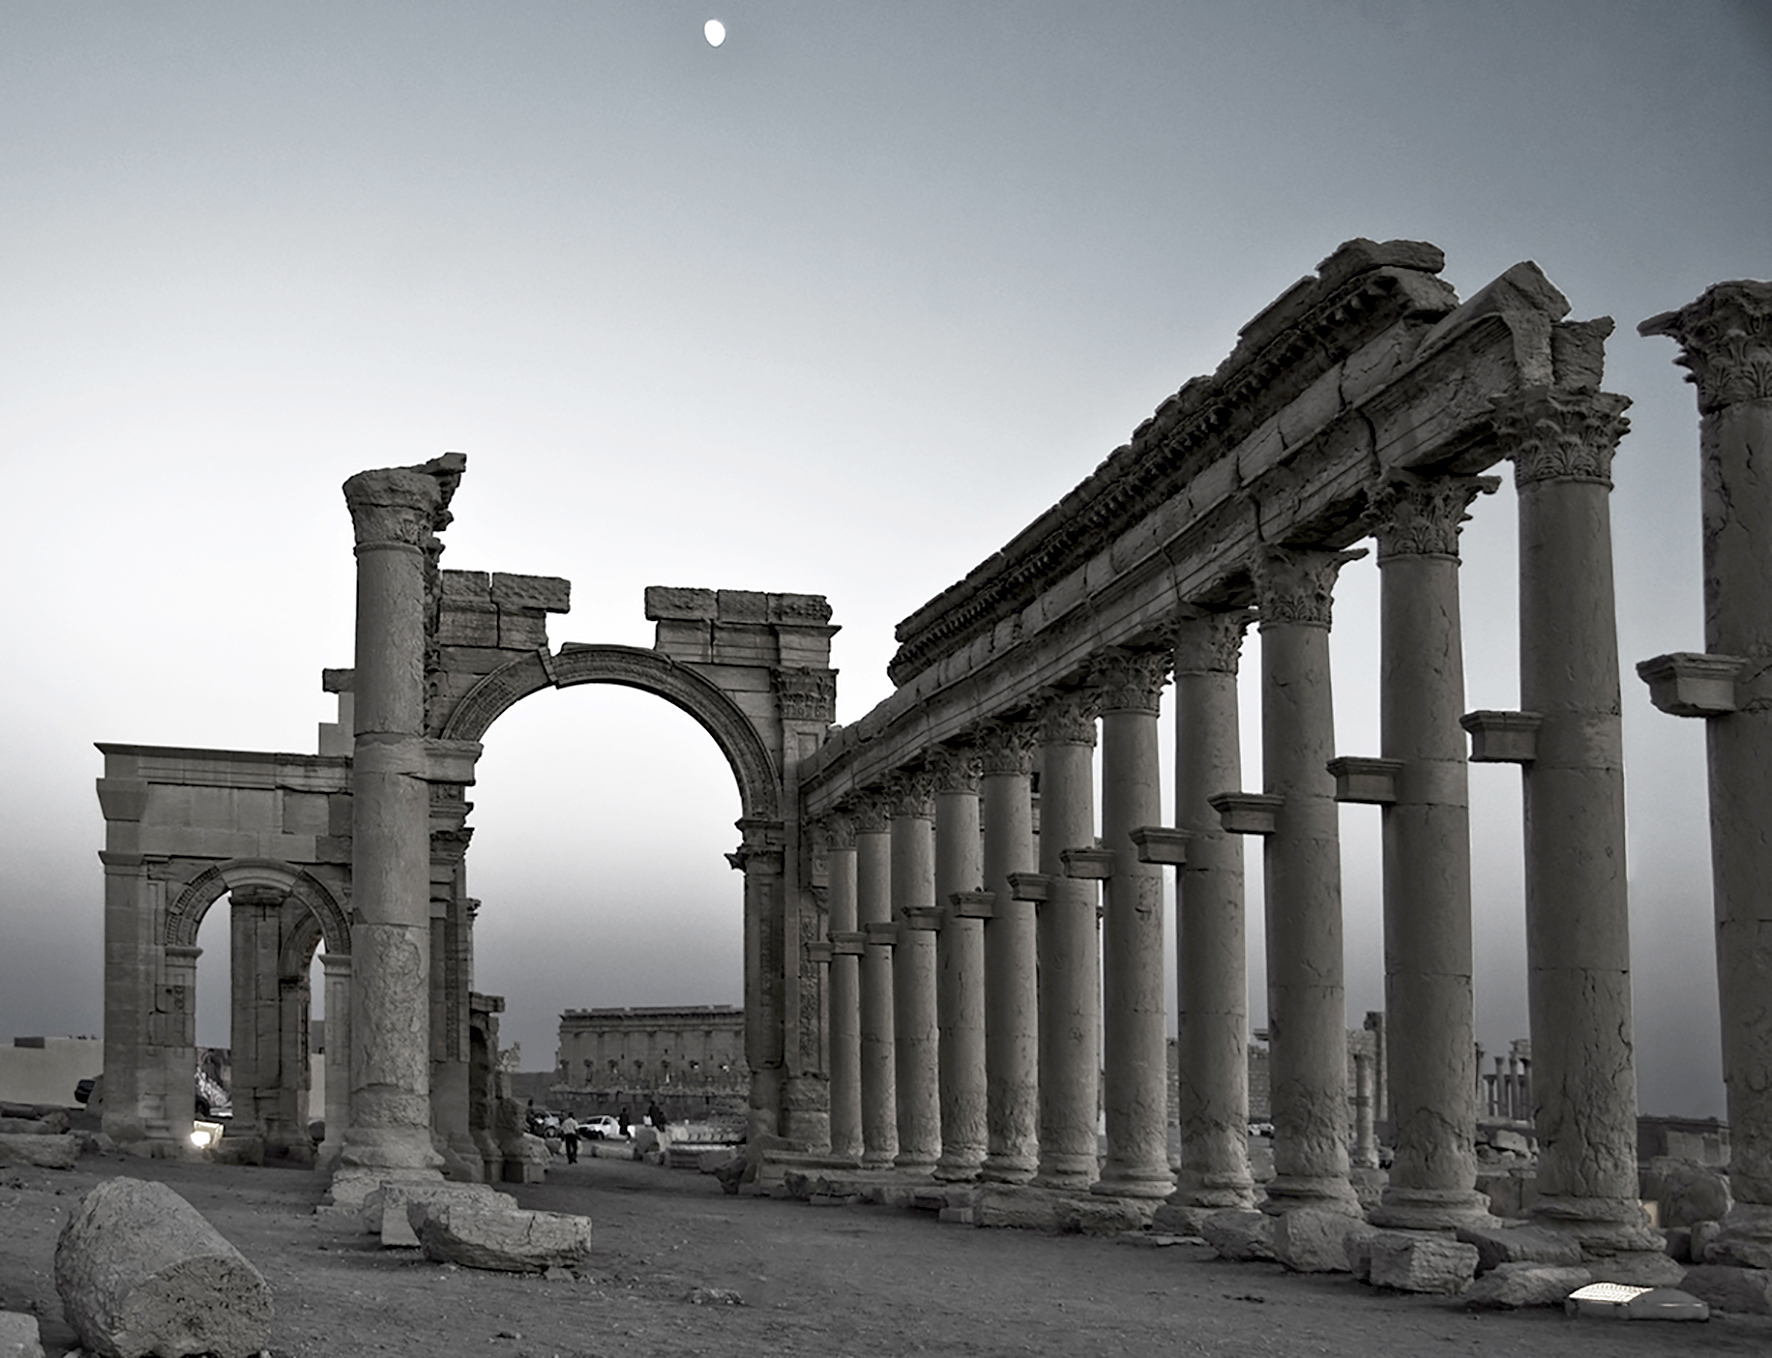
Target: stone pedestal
[845,989]
[1068,946]
[960,996]
[394,513]
[1307,1009]
[873,904]
[1577,918]
[1134,1012]
[1726,342]
[1011,975]
[913,973]
[1427,895]
[1211,953]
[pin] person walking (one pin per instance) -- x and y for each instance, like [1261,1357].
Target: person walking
[569,1134]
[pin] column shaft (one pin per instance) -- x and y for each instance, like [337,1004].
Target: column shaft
[1011,975]
[1211,952]
[845,995]
[337,969]
[873,903]
[1306,1001]
[960,998]
[1134,1009]
[1068,948]
[915,1033]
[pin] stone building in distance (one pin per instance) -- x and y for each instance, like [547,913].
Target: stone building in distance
[690,1057]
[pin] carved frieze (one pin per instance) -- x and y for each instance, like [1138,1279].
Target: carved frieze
[1556,435]
[956,768]
[1297,585]
[1007,747]
[807,695]
[1212,643]
[1131,681]
[1421,516]
[1725,340]
[1067,716]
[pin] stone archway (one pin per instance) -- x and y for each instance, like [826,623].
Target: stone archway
[184,915]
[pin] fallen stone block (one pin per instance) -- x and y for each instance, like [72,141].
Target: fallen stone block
[1704,1235]
[31,1127]
[1357,1244]
[1638,1268]
[1678,1244]
[1243,1234]
[1498,1245]
[1523,1283]
[140,1271]
[1418,1261]
[45,1151]
[35,1119]
[713,1161]
[1036,1209]
[1310,1240]
[386,1212]
[18,1336]
[478,1235]
[1730,1288]
[1691,1193]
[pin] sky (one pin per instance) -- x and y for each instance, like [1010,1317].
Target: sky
[836,307]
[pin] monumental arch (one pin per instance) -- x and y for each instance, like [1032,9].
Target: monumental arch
[922,951]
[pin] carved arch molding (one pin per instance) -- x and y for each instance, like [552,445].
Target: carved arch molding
[185,914]
[759,783]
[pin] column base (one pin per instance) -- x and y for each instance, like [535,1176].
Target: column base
[1603,1226]
[879,1159]
[958,1169]
[1431,1209]
[919,1164]
[1744,1238]
[1292,1192]
[1213,1191]
[390,1150]
[1135,1183]
[1067,1172]
[1008,1169]
[351,1187]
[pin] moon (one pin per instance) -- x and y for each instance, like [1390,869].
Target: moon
[714,31]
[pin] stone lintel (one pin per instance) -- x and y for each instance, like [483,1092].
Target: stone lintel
[851,943]
[1030,886]
[1091,865]
[883,932]
[1160,844]
[926,917]
[1365,780]
[451,761]
[973,904]
[820,952]
[1502,737]
[1689,684]
[1247,813]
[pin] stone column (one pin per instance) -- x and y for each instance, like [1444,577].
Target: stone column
[845,989]
[1726,342]
[1011,970]
[337,970]
[873,905]
[1068,946]
[1211,953]
[1134,1005]
[1427,890]
[761,859]
[256,1018]
[1307,1009]
[287,1133]
[915,1035]
[959,989]
[393,513]
[1577,915]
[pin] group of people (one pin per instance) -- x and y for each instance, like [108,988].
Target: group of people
[569,1128]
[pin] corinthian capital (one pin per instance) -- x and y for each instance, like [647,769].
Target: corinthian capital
[839,831]
[1067,717]
[871,811]
[1725,340]
[1557,435]
[1211,643]
[393,507]
[1297,585]
[911,793]
[1007,747]
[1420,515]
[1131,681]
[955,769]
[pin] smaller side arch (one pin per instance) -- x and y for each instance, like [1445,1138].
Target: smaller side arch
[185,914]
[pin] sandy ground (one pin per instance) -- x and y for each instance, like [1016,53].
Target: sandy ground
[855,1280]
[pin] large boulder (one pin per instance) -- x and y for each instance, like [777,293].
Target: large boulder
[141,1272]
[45,1151]
[1523,1283]
[1691,1193]
[1731,1289]
[484,1235]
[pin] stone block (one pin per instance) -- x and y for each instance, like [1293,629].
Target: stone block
[1240,1234]
[1509,1286]
[1310,1240]
[387,1211]
[668,603]
[1691,1193]
[139,1271]
[1411,1261]
[1357,1244]
[1704,1234]
[1679,1244]
[502,1239]
[548,593]
[42,1151]
[1498,1245]
[1730,1288]
[1639,1268]
[465,622]
[18,1336]
[1039,1210]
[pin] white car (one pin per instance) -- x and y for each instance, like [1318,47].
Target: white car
[602,1128]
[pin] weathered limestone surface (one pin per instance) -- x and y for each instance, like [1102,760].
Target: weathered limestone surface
[873,903]
[1692,1193]
[43,1151]
[139,1271]
[1730,1287]
[1498,1245]
[843,930]
[1011,975]
[18,1336]
[385,1210]
[1313,1239]
[915,1031]
[489,1236]
[1417,1261]
[960,983]
[1028,1208]
[1525,1283]
[1241,1233]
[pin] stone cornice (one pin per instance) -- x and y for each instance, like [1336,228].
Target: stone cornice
[1725,340]
[1554,435]
[1297,585]
[1421,516]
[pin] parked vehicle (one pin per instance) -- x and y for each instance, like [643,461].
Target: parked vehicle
[602,1128]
